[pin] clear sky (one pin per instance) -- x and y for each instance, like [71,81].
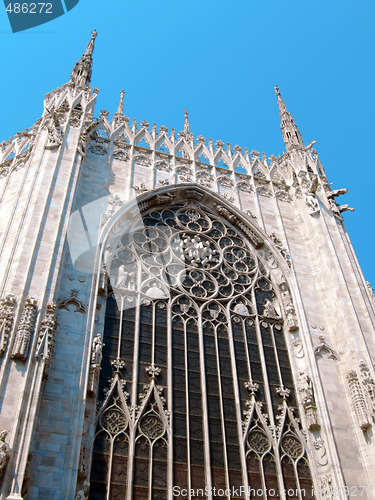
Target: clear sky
[220,60]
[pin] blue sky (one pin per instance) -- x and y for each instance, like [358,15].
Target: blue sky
[221,60]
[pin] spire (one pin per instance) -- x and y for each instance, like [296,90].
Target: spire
[120,109]
[186,124]
[81,74]
[291,134]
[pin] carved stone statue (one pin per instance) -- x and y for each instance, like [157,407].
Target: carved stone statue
[311,202]
[4,451]
[96,350]
[96,359]
[269,310]
[83,494]
[336,192]
[345,208]
[306,391]
[305,387]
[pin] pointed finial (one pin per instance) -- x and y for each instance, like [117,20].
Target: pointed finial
[186,124]
[120,109]
[289,130]
[81,74]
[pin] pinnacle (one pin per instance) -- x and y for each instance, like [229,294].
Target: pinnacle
[81,74]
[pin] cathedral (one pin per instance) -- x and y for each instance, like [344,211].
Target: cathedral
[178,318]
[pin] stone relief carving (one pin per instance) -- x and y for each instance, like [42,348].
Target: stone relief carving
[306,391]
[184,173]
[283,196]
[245,186]
[97,149]
[204,178]
[320,452]
[224,180]
[72,300]
[263,191]
[142,160]
[326,488]
[163,166]
[283,250]
[140,188]
[358,400]
[310,199]
[368,383]
[324,348]
[298,347]
[25,330]
[228,198]
[55,136]
[7,306]
[120,155]
[46,338]
[114,203]
[4,451]
[163,182]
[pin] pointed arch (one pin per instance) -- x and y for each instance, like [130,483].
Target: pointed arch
[209,313]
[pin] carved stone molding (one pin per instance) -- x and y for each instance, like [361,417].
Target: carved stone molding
[257,242]
[25,330]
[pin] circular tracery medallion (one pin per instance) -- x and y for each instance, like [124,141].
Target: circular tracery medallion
[258,442]
[151,426]
[114,421]
[292,446]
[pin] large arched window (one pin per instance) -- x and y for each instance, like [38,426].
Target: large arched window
[196,389]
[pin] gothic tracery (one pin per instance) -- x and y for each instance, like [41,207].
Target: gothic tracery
[200,326]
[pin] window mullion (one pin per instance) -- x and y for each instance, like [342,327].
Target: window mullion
[207,458]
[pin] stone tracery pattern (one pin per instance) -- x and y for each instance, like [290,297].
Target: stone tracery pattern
[188,279]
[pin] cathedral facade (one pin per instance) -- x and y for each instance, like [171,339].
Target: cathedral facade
[178,318]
